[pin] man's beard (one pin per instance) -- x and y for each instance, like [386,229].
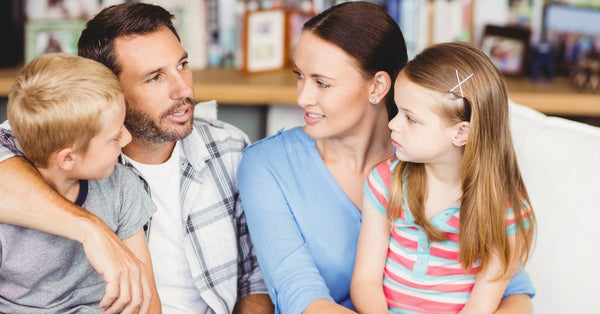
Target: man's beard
[142,126]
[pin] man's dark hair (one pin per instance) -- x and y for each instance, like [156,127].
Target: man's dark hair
[97,41]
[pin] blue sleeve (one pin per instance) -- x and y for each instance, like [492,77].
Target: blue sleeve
[287,265]
[520,284]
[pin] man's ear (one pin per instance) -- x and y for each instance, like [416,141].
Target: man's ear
[381,86]
[65,159]
[461,134]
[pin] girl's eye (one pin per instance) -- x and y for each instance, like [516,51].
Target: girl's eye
[410,120]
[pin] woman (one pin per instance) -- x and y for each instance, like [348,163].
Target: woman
[302,188]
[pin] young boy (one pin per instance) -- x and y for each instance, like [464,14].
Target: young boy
[67,114]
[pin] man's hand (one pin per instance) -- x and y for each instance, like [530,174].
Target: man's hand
[127,288]
[28,201]
[254,304]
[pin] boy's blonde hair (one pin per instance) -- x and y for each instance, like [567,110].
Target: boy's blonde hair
[57,101]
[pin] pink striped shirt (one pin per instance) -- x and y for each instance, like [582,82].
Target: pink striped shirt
[422,277]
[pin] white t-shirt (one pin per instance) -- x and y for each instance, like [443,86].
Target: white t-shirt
[176,289]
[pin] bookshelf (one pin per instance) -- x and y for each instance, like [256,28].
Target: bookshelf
[234,87]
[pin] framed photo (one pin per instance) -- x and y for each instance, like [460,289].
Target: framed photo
[264,40]
[51,36]
[507,47]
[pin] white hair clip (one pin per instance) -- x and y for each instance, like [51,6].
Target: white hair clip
[460,83]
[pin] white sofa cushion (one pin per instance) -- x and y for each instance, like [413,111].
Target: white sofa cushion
[560,163]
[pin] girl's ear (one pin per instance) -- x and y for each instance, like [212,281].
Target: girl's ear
[461,135]
[64,159]
[382,83]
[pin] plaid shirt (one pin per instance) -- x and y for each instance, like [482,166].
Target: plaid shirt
[218,247]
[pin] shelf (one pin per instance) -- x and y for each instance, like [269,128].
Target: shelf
[229,86]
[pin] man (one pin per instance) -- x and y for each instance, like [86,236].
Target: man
[202,255]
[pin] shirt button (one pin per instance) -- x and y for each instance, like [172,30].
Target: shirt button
[421,263]
[423,247]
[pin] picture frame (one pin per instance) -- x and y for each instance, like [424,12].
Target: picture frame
[51,36]
[264,40]
[507,47]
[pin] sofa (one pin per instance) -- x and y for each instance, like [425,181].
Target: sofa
[560,163]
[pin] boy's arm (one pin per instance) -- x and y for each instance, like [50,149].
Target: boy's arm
[366,288]
[138,245]
[28,201]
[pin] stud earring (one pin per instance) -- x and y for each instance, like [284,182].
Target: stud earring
[373,100]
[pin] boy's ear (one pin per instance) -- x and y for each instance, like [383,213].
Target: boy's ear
[461,135]
[65,159]
[381,86]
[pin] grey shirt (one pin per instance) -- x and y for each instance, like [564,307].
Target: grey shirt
[44,273]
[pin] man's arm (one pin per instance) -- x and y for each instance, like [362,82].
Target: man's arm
[28,201]
[254,304]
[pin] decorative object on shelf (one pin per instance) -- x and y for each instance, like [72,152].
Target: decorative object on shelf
[264,40]
[51,36]
[507,47]
[585,76]
[542,62]
[573,30]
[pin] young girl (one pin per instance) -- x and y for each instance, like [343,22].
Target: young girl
[454,169]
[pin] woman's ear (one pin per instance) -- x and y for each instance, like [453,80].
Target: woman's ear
[64,159]
[382,83]
[461,134]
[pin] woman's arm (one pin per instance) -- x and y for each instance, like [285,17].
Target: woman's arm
[286,262]
[366,289]
[138,245]
[28,201]
[319,306]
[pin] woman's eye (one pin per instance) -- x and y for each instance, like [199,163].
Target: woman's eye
[323,85]
[298,75]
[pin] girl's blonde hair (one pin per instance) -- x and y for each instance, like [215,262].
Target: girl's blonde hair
[491,180]
[57,101]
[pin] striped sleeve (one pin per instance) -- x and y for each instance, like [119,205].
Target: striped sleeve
[376,187]
[511,227]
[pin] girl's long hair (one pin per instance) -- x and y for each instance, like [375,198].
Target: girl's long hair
[491,180]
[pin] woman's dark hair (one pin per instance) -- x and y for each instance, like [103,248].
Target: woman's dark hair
[368,34]
[97,41]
